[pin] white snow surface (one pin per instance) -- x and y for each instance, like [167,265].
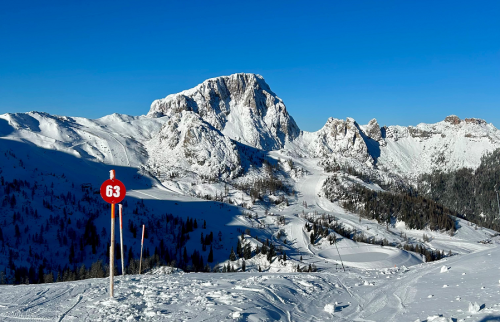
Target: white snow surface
[162,157]
[394,294]
[441,146]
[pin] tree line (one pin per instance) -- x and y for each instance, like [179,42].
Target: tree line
[469,192]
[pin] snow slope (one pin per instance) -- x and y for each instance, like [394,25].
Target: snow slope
[209,141]
[446,145]
[418,293]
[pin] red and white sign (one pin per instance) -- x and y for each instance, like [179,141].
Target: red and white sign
[113,191]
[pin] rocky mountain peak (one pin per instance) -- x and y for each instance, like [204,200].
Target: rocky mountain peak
[340,137]
[453,119]
[373,130]
[241,106]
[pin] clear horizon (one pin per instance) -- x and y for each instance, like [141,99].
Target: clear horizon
[399,62]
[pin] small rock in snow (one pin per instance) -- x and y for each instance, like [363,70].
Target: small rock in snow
[474,308]
[330,308]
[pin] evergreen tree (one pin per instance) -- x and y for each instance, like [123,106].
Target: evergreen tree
[96,270]
[243,266]
[48,278]
[71,256]
[238,249]
[247,253]
[210,255]
[271,253]
[232,256]
[40,274]
[130,254]
[82,272]
[17,232]
[13,201]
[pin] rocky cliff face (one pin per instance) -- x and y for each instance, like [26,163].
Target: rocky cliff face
[241,106]
[186,143]
[373,131]
[338,138]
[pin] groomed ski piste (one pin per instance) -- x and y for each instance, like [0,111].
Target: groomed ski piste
[378,284]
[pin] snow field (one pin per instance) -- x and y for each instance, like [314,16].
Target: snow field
[180,297]
[372,289]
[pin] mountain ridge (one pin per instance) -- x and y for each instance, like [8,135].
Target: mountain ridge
[243,108]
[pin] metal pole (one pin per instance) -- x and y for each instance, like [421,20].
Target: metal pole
[112,251]
[142,243]
[121,237]
[112,246]
[339,253]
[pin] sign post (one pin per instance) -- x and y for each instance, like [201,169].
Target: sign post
[121,238]
[112,253]
[112,191]
[142,243]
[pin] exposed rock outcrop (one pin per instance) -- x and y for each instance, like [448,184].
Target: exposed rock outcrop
[187,143]
[372,130]
[342,137]
[241,106]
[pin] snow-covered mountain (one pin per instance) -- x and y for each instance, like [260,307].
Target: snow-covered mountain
[187,142]
[338,138]
[406,151]
[227,156]
[241,106]
[447,145]
[196,131]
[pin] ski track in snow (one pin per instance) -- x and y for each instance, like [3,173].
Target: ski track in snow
[370,290]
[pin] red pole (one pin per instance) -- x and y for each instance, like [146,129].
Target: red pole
[142,243]
[112,246]
[121,237]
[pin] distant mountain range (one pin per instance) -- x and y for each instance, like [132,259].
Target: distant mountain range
[202,130]
[231,140]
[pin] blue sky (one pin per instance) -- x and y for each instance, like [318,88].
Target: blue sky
[402,62]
